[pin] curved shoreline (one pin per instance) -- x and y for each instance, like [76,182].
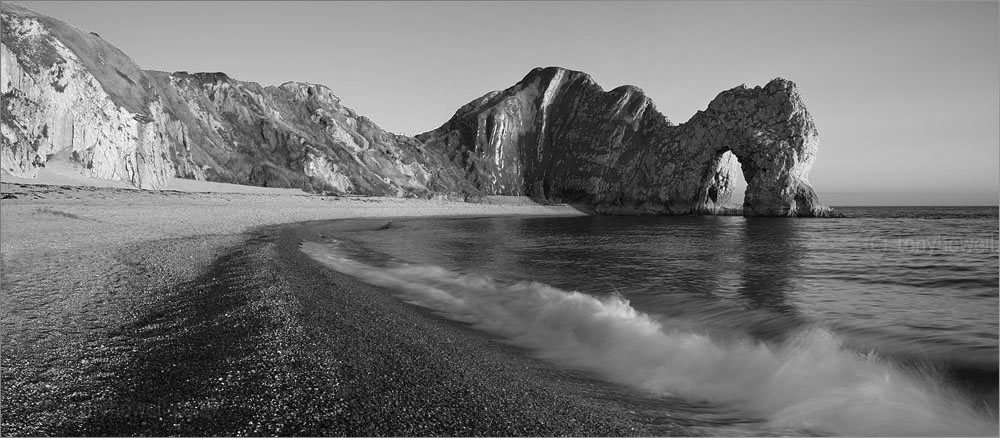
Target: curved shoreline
[129,312]
[432,376]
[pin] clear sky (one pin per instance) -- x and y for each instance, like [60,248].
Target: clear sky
[906,94]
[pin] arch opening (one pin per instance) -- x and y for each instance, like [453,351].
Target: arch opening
[739,184]
[726,188]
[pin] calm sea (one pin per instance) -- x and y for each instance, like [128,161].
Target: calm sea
[881,323]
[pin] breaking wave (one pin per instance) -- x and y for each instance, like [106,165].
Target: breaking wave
[809,382]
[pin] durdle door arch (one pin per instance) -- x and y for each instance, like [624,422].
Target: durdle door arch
[769,131]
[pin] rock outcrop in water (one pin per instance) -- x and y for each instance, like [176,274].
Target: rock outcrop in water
[69,95]
[556,134]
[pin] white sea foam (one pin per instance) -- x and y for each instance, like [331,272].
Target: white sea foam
[809,382]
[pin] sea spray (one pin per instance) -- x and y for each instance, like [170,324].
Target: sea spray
[810,382]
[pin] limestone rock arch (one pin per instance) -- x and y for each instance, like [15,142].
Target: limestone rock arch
[558,135]
[770,132]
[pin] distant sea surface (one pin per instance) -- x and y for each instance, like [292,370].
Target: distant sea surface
[881,323]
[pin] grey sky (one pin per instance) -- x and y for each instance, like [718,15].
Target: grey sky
[906,95]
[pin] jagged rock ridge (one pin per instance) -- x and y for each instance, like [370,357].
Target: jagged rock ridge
[556,134]
[69,95]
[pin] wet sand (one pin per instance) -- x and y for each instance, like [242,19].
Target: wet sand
[161,313]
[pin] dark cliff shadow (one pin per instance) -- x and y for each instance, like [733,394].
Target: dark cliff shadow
[583,208]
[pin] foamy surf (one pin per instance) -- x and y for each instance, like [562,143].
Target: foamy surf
[810,382]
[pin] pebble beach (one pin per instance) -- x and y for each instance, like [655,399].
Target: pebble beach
[194,313]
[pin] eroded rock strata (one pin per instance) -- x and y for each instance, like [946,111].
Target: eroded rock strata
[69,95]
[556,134]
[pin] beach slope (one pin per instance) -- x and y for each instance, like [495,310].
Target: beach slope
[194,313]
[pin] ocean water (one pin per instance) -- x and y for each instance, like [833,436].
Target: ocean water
[881,323]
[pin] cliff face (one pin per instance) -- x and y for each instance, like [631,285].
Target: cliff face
[294,135]
[69,95]
[558,135]
[57,104]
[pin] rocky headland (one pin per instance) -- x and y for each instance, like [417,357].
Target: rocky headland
[558,135]
[70,96]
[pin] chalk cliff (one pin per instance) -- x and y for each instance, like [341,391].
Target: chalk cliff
[556,134]
[69,95]
[94,110]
